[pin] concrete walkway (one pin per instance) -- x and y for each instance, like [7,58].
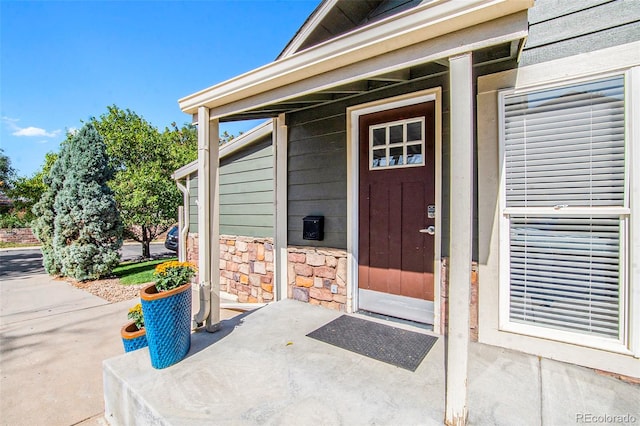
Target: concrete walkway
[261,369]
[53,340]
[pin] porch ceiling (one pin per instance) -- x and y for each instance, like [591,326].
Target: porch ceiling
[502,53]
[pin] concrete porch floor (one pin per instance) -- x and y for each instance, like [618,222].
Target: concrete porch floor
[261,369]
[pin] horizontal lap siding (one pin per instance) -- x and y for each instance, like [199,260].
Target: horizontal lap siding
[560,28]
[247,192]
[317,175]
[317,165]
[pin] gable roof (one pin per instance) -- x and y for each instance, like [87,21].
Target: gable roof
[336,17]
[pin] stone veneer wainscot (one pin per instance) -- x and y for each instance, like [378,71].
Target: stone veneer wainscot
[246,266]
[312,271]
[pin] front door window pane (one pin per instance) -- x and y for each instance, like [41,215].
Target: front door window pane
[397,144]
[379,137]
[396,134]
[414,132]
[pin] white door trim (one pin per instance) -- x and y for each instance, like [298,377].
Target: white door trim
[353,115]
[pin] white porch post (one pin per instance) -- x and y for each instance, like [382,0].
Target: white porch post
[460,252]
[280,243]
[208,216]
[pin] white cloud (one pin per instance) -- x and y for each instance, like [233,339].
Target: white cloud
[28,131]
[35,131]
[10,121]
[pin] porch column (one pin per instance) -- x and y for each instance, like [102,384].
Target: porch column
[208,218]
[460,248]
[280,242]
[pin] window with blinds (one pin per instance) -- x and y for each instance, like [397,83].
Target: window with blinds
[566,206]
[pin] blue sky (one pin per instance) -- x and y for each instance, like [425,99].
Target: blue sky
[62,62]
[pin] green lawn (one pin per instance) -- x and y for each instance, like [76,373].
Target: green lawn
[138,273]
[18,245]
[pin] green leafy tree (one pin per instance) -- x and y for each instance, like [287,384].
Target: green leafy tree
[144,159]
[77,217]
[27,191]
[6,176]
[7,172]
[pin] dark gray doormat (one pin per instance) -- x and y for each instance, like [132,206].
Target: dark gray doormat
[395,346]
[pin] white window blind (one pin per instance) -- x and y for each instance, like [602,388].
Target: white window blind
[566,146]
[564,153]
[565,273]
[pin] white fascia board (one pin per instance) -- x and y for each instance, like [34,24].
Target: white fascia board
[418,24]
[185,170]
[236,144]
[307,28]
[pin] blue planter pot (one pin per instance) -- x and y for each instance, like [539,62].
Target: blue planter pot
[167,320]
[132,337]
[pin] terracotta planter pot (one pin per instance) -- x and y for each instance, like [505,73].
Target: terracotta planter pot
[132,337]
[167,319]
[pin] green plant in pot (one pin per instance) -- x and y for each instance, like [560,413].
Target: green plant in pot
[166,305]
[133,333]
[135,315]
[173,274]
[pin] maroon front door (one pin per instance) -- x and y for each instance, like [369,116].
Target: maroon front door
[397,202]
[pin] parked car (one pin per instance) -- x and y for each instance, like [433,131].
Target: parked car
[171,242]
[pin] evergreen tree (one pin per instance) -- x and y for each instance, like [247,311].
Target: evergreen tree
[78,222]
[43,210]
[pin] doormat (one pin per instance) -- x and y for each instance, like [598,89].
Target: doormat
[395,346]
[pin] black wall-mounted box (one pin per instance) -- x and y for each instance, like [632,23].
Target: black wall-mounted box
[313,228]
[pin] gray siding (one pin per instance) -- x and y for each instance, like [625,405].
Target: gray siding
[560,28]
[247,191]
[317,174]
[317,165]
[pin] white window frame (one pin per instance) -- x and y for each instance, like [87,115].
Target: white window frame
[388,146]
[628,340]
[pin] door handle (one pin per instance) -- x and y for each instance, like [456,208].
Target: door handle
[431,230]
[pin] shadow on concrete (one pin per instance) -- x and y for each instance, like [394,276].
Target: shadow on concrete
[18,263]
[202,339]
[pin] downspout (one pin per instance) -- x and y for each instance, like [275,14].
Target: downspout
[204,304]
[183,226]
